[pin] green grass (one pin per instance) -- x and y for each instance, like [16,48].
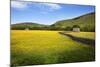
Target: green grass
[47,47]
[85,22]
[87,35]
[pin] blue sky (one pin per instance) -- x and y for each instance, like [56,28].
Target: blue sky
[46,13]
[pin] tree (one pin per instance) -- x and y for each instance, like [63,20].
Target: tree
[68,28]
[76,26]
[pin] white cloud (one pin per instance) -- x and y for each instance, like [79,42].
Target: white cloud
[44,7]
[19,5]
[47,7]
[52,6]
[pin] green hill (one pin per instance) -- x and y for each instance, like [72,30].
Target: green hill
[86,22]
[30,25]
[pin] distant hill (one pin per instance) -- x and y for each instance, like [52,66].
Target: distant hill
[86,22]
[24,25]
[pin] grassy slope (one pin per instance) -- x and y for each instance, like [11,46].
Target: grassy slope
[46,47]
[86,21]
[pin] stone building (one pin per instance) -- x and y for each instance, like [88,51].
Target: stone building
[76,29]
[26,28]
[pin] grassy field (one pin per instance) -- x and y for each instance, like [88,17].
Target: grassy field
[47,47]
[87,35]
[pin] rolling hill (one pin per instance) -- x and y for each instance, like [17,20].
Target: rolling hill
[86,22]
[24,25]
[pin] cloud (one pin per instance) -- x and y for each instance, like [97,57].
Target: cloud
[52,6]
[47,7]
[18,5]
[43,7]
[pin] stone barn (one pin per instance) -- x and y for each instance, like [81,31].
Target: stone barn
[76,28]
[26,28]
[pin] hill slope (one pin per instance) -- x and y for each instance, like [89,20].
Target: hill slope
[86,22]
[24,25]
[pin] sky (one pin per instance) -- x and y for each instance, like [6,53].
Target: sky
[46,13]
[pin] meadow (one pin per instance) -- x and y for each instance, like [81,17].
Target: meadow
[87,35]
[34,47]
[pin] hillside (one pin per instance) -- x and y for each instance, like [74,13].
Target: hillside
[24,25]
[86,22]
